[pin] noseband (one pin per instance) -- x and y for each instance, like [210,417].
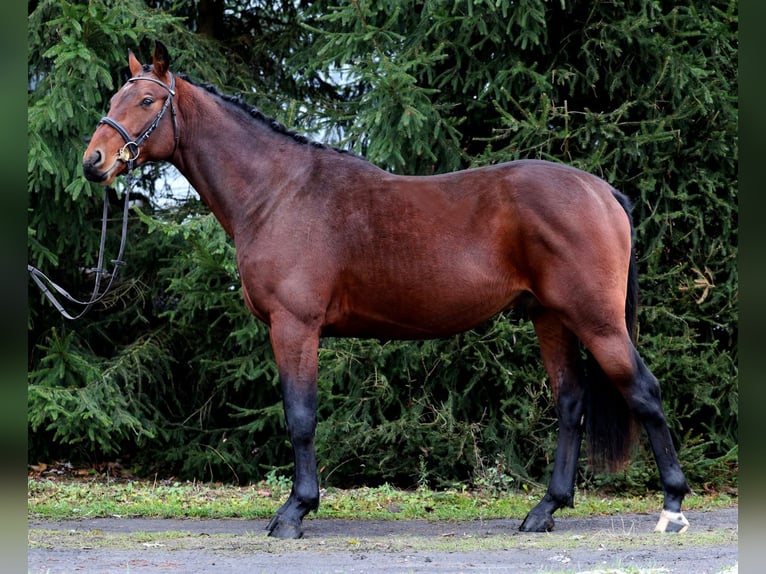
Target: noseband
[130,151]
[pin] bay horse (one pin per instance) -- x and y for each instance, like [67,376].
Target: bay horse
[328,244]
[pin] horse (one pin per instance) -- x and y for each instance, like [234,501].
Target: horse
[330,245]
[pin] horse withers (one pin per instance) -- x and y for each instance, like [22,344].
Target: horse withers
[330,245]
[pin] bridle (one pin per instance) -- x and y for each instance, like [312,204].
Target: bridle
[128,154]
[130,151]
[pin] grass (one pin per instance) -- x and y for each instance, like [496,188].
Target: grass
[53,499]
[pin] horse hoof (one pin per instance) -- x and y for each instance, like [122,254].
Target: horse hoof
[537,524]
[671,522]
[285,530]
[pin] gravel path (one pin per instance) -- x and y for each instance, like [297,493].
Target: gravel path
[603,544]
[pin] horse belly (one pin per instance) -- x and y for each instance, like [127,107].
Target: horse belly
[424,309]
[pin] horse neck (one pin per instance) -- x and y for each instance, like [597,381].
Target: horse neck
[239,165]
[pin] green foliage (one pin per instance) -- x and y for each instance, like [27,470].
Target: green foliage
[91,383]
[176,373]
[80,398]
[225,357]
[450,405]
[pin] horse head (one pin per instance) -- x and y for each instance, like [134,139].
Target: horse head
[121,140]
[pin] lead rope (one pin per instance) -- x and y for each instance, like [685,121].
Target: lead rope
[40,278]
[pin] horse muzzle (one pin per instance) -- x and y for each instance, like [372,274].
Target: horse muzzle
[93,169]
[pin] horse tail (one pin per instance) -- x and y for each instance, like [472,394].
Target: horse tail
[631,300]
[611,429]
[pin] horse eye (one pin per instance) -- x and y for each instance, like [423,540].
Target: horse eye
[147,101]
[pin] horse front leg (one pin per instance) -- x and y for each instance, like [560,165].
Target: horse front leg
[560,351]
[295,350]
[560,491]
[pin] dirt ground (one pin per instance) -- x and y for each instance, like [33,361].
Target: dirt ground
[604,544]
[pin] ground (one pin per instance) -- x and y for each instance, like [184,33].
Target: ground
[601,544]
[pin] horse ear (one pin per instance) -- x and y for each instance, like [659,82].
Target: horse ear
[161,59]
[135,65]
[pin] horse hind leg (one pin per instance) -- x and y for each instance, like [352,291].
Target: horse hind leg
[647,404]
[623,367]
[561,355]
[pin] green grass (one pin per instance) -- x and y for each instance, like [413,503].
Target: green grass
[97,498]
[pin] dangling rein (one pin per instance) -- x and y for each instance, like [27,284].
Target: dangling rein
[128,154]
[40,278]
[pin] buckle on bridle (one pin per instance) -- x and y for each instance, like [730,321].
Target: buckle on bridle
[129,152]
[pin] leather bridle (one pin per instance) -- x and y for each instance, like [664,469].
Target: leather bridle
[130,151]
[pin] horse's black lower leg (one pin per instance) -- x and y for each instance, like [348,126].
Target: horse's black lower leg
[295,351]
[561,487]
[644,400]
[300,413]
[560,354]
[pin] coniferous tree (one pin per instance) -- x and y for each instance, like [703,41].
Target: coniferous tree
[641,92]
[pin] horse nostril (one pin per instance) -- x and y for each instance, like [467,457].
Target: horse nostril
[94,158]
[92,167]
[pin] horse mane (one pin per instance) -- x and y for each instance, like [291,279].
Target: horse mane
[259,116]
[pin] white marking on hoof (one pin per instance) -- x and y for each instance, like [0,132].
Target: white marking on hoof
[671,522]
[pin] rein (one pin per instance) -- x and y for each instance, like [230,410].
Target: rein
[127,154]
[39,277]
